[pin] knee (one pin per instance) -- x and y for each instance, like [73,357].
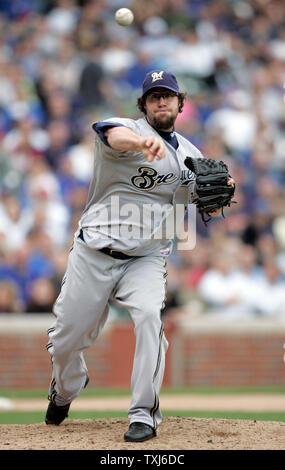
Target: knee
[59,349]
[61,345]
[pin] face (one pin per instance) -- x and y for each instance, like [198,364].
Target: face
[161,108]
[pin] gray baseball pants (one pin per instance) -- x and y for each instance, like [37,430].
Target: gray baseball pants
[81,310]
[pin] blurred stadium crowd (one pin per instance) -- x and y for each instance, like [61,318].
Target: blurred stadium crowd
[65,64]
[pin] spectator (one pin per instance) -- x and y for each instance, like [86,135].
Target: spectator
[217,289]
[269,300]
[25,142]
[90,87]
[80,157]
[63,18]
[59,135]
[41,296]
[10,301]
[64,63]
[236,121]
[15,222]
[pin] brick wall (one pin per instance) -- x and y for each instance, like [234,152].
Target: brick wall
[201,352]
[214,351]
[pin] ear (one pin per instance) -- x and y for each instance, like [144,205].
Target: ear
[180,105]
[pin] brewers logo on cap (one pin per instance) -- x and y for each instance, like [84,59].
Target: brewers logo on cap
[157,76]
[161,79]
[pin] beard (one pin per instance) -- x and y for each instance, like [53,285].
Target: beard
[163,123]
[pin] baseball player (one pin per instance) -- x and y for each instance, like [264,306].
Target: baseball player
[138,166]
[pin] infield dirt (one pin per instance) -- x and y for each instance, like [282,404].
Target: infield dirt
[174,433]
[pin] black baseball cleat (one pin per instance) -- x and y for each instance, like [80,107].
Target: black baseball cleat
[56,414]
[139,432]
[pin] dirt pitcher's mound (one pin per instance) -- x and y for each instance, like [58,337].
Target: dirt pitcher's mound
[175,433]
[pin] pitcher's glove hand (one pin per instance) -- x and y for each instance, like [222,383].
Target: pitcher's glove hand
[214,187]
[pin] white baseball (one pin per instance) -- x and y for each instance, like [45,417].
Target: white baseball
[124,16]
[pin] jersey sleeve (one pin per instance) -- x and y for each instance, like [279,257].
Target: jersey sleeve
[101,127]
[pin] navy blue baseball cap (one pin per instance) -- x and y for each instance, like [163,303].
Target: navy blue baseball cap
[159,78]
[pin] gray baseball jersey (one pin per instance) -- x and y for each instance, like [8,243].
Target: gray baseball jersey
[128,181]
[123,178]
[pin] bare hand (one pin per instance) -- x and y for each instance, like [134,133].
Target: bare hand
[152,147]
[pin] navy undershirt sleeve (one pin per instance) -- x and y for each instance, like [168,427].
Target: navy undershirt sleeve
[101,127]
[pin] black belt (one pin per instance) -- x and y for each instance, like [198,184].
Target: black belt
[109,251]
[116,254]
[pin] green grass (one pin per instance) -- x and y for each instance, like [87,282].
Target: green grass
[108,392]
[26,417]
[17,417]
[29,417]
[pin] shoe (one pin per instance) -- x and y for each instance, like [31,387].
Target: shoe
[56,414]
[139,432]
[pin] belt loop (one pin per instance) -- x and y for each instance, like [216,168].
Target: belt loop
[81,235]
